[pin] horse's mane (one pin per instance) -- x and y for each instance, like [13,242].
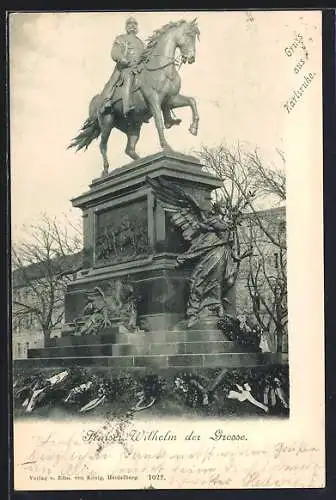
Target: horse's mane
[157,34]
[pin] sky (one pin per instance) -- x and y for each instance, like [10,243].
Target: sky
[59,61]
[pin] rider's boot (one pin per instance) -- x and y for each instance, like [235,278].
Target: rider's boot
[127,105]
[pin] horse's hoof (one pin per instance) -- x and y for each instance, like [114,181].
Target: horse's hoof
[132,155]
[193,129]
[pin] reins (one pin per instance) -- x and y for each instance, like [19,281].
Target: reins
[170,63]
[160,67]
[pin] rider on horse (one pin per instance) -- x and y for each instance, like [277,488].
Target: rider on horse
[127,51]
[147,76]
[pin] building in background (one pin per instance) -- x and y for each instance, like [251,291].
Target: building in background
[38,302]
[261,287]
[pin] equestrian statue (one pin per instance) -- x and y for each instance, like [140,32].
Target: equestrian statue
[144,84]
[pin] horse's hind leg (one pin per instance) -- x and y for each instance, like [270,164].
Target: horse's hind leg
[106,123]
[132,139]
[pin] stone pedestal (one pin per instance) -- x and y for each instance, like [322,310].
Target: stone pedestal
[128,236]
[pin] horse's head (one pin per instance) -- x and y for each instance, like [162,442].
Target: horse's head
[186,40]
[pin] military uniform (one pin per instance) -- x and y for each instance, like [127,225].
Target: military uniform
[126,52]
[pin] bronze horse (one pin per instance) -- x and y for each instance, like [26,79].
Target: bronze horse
[155,91]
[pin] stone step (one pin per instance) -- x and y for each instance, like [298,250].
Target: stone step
[172,348]
[185,336]
[163,361]
[160,337]
[210,347]
[83,351]
[76,340]
[105,338]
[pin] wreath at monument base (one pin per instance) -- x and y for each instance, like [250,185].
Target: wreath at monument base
[218,392]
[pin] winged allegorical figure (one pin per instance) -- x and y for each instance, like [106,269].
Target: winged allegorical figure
[212,237]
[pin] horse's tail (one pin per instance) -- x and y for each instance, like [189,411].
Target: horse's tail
[89,131]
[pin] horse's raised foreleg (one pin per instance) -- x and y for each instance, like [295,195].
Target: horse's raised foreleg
[156,111]
[180,101]
[106,123]
[132,139]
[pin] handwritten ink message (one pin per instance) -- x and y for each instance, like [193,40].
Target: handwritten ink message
[160,458]
[297,50]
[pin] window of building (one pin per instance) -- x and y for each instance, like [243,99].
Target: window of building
[19,349]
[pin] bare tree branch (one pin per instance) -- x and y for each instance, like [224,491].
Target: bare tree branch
[43,264]
[247,184]
[245,176]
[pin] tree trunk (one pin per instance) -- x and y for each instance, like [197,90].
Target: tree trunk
[47,335]
[279,337]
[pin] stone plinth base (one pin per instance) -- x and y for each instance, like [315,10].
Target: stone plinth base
[158,348]
[131,243]
[159,361]
[185,348]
